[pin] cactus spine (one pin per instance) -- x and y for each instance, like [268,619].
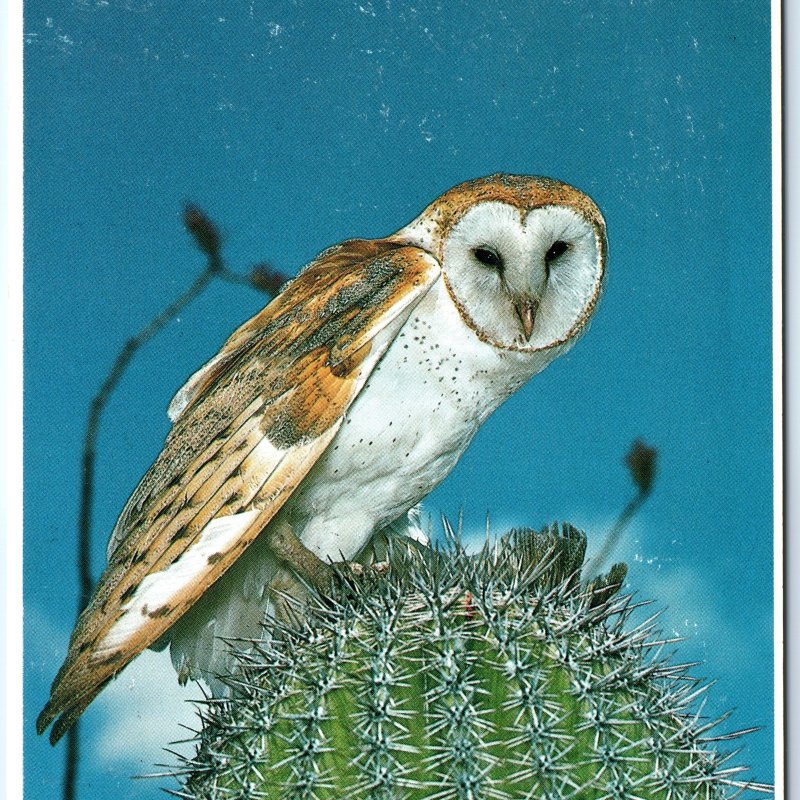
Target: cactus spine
[492,676]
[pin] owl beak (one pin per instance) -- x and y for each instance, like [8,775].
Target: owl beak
[526,310]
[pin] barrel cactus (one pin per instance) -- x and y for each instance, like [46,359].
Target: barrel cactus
[497,675]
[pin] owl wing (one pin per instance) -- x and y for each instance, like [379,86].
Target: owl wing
[248,427]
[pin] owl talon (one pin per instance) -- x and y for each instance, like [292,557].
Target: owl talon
[355,569]
[360,571]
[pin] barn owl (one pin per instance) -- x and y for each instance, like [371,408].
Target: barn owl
[329,415]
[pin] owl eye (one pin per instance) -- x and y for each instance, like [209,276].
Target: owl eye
[488,257]
[557,249]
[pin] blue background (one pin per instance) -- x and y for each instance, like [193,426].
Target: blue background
[296,125]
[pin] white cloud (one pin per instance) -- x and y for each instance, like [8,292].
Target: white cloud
[137,715]
[696,611]
[692,608]
[142,713]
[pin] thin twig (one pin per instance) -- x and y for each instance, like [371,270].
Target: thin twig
[641,462]
[72,759]
[599,560]
[96,408]
[261,277]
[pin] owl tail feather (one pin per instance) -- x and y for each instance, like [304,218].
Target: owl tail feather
[65,716]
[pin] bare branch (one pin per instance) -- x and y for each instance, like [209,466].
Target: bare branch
[641,462]
[208,239]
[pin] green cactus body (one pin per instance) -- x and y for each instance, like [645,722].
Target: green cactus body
[496,676]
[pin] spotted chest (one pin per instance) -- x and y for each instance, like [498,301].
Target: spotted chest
[422,405]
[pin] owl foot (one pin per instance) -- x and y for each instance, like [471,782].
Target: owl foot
[357,570]
[309,567]
[380,568]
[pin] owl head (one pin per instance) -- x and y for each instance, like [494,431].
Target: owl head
[523,257]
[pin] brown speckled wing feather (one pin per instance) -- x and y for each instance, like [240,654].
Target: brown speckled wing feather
[248,427]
